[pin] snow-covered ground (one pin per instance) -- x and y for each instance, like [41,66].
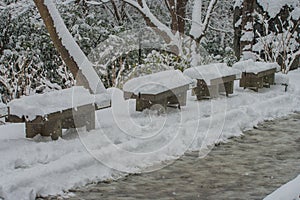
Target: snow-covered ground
[129,141]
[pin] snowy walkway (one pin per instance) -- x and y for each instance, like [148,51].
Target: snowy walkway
[130,141]
[245,168]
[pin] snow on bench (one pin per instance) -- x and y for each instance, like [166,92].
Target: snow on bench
[164,88]
[211,71]
[256,75]
[50,102]
[212,79]
[255,67]
[48,113]
[156,83]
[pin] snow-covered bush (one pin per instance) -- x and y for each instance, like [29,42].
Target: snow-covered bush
[279,41]
[157,61]
[268,31]
[28,60]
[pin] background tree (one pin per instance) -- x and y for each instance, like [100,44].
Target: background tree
[172,34]
[24,70]
[69,50]
[268,33]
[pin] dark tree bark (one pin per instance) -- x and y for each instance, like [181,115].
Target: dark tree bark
[237,32]
[247,18]
[177,11]
[181,15]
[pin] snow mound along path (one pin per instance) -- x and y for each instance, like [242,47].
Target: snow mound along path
[31,168]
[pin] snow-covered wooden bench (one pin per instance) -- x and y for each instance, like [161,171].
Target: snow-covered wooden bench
[212,80]
[47,114]
[165,88]
[256,75]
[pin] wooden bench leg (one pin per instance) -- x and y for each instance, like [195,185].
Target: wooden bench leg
[90,122]
[142,104]
[214,91]
[53,128]
[160,106]
[33,129]
[182,99]
[179,99]
[229,87]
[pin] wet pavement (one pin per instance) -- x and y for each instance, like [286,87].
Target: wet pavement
[248,167]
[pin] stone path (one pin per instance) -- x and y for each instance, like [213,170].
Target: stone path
[248,167]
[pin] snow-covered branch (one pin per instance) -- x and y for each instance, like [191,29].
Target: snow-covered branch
[198,26]
[279,46]
[70,52]
[148,15]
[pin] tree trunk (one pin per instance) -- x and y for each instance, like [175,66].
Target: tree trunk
[156,29]
[62,50]
[181,14]
[177,11]
[247,25]
[237,31]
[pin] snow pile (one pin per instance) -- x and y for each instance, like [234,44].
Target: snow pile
[289,191]
[211,71]
[43,104]
[132,141]
[255,67]
[156,83]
